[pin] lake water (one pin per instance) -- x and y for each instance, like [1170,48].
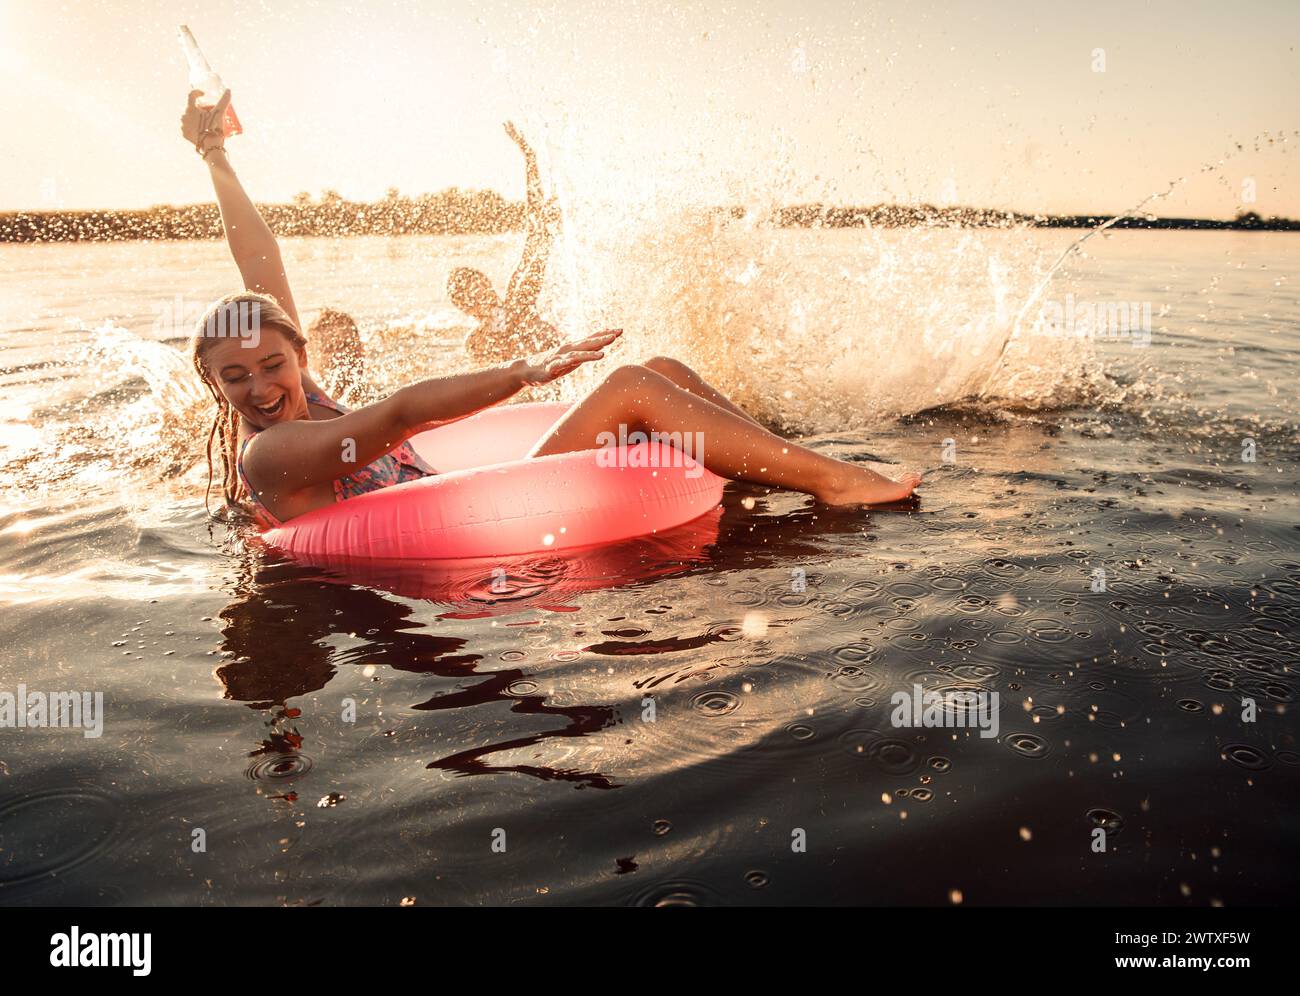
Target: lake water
[1107,537]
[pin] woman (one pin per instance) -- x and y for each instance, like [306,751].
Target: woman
[513,328]
[289,448]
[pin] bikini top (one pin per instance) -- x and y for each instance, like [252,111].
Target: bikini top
[397,466]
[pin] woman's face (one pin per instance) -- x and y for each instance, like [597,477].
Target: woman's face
[262,382]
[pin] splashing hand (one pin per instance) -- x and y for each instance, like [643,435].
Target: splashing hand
[546,367]
[518,139]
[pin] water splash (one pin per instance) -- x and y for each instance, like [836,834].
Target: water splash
[160,427]
[1076,247]
[815,329]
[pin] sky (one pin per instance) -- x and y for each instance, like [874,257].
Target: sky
[1032,105]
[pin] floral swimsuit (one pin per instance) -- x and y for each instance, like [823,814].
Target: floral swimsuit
[398,466]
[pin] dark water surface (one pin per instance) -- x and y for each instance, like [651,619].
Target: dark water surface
[230,677]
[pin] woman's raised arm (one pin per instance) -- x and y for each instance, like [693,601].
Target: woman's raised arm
[299,454]
[532,178]
[540,217]
[251,242]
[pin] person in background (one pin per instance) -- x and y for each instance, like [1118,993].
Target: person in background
[512,327]
[338,354]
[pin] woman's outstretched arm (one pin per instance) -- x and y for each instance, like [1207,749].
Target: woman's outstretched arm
[539,218]
[251,242]
[299,454]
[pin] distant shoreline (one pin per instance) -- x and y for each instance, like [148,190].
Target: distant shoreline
[466,212]
[894,216]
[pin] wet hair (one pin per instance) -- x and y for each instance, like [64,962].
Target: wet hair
[235,315]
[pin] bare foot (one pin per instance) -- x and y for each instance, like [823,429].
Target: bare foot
[870,488]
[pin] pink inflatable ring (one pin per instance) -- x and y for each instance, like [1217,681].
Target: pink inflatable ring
[489,500]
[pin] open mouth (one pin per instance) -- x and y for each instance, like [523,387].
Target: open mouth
[271,411]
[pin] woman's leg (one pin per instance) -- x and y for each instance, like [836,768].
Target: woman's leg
[687,379]
[734,447]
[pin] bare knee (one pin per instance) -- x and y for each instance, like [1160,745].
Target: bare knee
[636,385]
[674,370]
[630,375]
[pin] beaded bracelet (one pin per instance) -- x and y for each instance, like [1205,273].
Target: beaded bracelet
[203,153]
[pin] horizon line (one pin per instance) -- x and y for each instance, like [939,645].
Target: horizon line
[456,210]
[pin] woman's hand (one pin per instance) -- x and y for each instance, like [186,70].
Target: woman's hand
[546,367]
[532,178]
[202,126]
[519,140]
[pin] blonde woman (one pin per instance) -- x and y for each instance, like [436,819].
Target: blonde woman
[288,448]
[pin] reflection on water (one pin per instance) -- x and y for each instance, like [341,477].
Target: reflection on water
[276,631]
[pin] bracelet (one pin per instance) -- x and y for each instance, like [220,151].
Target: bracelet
[215,130]
[204,153]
